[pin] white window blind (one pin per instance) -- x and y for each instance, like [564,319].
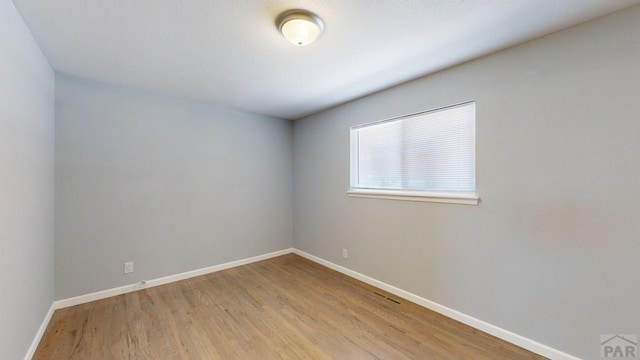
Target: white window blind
[432,151]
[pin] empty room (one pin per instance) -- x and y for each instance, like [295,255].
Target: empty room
[284,179]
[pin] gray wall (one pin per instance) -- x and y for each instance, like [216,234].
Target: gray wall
[170,184]
[553,250]
[26,185]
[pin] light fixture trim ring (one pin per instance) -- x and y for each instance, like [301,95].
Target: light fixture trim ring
[299,14]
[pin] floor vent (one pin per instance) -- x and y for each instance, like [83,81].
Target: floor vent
[386,297]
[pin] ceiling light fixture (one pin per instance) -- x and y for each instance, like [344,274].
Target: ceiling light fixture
[300,27]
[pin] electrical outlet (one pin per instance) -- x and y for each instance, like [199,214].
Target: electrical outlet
[128,267]
[345,253]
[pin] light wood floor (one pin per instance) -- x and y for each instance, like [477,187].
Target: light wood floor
[282,308]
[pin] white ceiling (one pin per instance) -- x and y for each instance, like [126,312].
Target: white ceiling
[229,51]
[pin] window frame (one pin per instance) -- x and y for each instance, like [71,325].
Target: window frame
[450,197]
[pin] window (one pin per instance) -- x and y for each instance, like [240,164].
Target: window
[428,156]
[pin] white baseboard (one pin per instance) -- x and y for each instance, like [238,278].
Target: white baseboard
[59,304]
[496,331]
[163,280]
[41,330]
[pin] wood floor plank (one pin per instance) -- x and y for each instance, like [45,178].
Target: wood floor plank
[282,308]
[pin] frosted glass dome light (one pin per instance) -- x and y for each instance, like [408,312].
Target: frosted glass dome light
[300,27]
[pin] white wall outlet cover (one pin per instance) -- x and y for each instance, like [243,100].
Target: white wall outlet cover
[128,267]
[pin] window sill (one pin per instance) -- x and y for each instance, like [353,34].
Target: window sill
[449,198]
